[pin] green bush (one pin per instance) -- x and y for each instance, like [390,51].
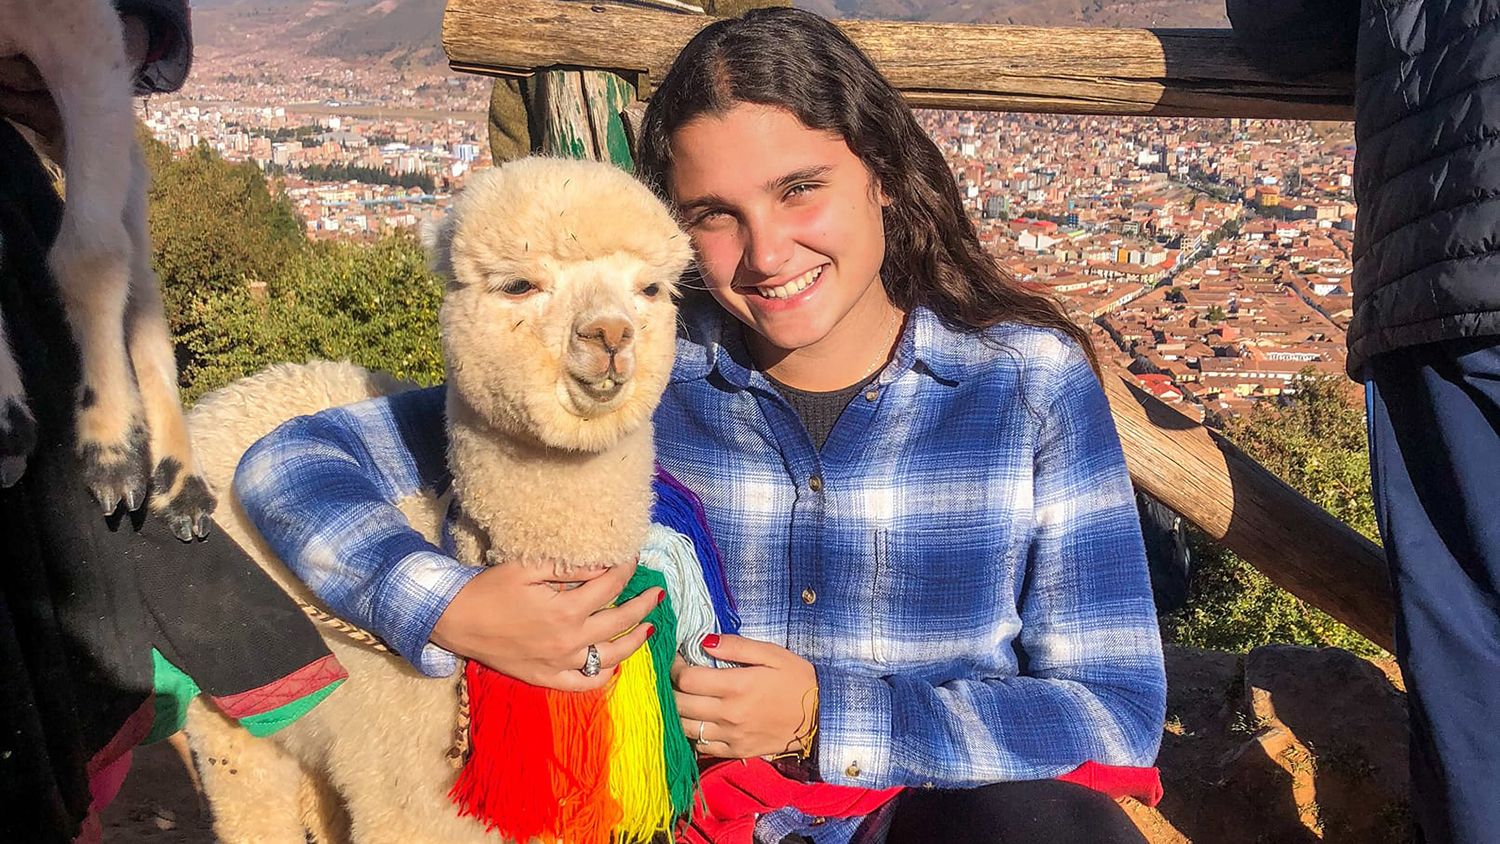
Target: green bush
[375,305]
[215,228]
[1315,441]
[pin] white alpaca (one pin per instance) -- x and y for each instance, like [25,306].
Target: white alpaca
[559,332]
[131,434]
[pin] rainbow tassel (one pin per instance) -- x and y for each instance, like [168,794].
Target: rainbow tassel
[586,767]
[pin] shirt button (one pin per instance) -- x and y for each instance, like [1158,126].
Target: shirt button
[927,785]
[872,395]
[819,821]
[853,769]
[815,483]
[809,596]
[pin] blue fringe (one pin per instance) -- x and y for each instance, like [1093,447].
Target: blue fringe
[678,508]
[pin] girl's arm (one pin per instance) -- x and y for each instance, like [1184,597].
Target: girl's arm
[322,490]
[1092,687]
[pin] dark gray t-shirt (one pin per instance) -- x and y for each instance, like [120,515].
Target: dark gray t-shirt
[819,411]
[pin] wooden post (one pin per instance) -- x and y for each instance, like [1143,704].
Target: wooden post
[578,114]
[1241,505]
[1196,73]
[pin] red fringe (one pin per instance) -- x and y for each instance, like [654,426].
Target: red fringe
[538,764]
[505,784]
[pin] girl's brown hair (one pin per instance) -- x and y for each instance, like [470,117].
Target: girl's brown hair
[800,62]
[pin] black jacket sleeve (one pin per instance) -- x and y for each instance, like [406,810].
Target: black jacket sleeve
[1296,37]
[171,52]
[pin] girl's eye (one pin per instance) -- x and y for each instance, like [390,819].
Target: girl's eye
[517,287]
[650,290]
[707,217]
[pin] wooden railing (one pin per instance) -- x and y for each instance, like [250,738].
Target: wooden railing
[586,59]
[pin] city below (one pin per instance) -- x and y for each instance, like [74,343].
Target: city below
[1210,257]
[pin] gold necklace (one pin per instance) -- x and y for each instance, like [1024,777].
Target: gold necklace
[885,355]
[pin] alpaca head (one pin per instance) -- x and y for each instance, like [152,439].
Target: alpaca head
[558,320]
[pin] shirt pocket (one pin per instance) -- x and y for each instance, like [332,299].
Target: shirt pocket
[941,595]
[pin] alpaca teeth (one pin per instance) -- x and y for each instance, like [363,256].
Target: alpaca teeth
[607,384]
[793,287]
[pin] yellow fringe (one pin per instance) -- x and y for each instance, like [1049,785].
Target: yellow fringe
[637,772]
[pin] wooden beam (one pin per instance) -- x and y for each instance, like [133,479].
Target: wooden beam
[1241,505]
[1196,73]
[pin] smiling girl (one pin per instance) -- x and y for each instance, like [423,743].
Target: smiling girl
[907,461]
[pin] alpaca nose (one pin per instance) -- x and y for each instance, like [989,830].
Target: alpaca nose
[610,333]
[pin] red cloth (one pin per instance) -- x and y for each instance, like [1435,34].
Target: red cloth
[733,793]
[1144,784]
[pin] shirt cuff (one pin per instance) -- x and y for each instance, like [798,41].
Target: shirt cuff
[855,729]
[418,591]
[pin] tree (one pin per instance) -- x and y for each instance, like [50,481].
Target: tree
[1216,314]
[1315,441]
[376,305]
[216,227]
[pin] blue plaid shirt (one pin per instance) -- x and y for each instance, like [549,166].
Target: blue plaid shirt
[961,562]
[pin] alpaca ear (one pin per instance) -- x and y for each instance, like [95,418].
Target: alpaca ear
[437,239]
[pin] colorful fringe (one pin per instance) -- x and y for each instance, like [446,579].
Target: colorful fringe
[589,767]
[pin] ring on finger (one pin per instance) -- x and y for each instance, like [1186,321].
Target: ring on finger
[700,733]
[591,663]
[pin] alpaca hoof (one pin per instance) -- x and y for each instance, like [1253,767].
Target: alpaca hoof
[188,509]
[117,473]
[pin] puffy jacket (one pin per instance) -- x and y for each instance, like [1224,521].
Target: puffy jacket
[1427,165]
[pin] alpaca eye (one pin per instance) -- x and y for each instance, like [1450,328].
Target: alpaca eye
[650,290]
[517,287]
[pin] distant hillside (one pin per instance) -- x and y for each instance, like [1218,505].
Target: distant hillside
[409,31]
[1165,13]
[387,31]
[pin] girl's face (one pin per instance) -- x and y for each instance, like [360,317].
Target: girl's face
[787,225]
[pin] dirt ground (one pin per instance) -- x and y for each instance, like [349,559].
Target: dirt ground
[159,802]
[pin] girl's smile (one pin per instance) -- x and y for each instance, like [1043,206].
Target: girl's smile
[791,292]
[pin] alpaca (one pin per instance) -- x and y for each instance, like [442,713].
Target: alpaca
[558,331]
[131,435]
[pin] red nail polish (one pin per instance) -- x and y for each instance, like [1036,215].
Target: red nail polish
[650,630]
[661,596]
[617,670]
[711,641]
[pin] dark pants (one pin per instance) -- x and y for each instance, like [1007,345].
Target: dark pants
[1011,813]
[1434,417]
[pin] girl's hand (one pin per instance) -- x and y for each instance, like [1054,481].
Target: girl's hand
[519,623]
[760,709]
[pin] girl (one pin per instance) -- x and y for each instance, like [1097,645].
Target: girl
[907,461]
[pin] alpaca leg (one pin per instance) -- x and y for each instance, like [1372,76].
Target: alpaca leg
[17,427]
[252,787]
[323,813]
[395,777]
[91,258]
[178,491]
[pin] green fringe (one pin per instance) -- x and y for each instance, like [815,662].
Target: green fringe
[681,761]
